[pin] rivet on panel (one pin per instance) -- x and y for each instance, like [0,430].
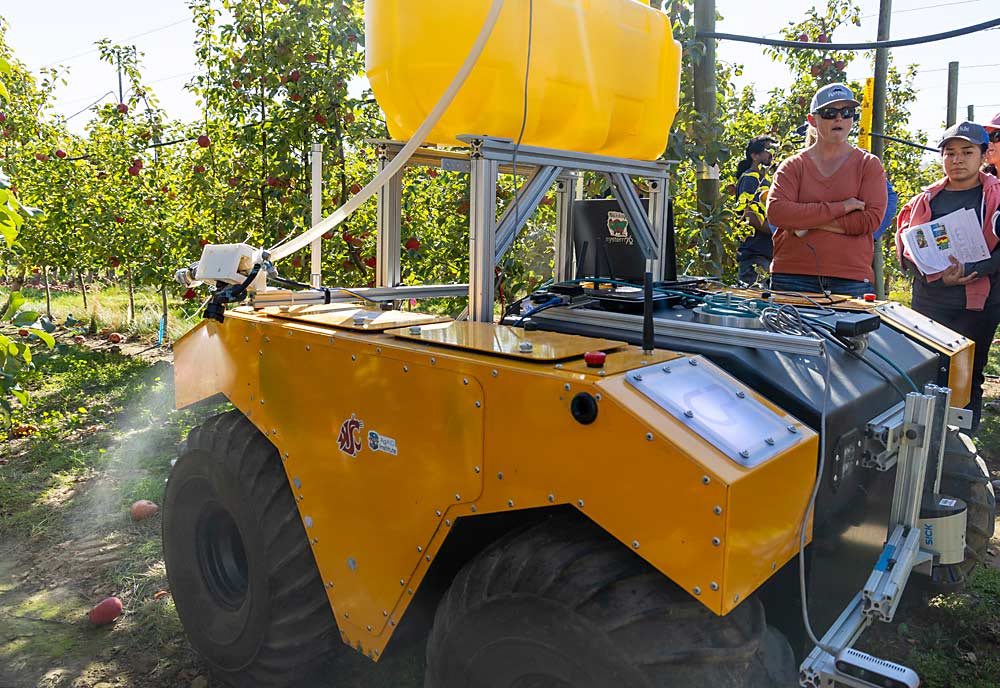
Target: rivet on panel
[267,339]
[378,349]
[409,591]
[649,437]
[447,522]
[438,513]
[499,476]
[352,563]
[597,397]
[692,361]
[419,548]
[510,502]
[297,482]
[602,372]
[260,353]
[246,339]
[479,404]
[402,582]
[308,521]
[315,540]
[331,340]
[705,480]
[308,348]
[375,652]
[713,585]
[433,361]
[369,629]
[353,357]
[476,469]
[736,598]
[740,394]
[697,590]
[552,498]
[385,613]
[717,510]
[494,373]
[579,503]
[406,369]
[566,387]
[428,557]
[635,544]
[458,498]
[689,414]
[559,366]
[392,622]
[716,541]
[347,615]
[473,508]
[465,380]
[774,565]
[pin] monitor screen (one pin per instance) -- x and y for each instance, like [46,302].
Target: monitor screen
[603,241]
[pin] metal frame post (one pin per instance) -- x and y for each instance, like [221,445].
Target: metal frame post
[665,264]
[482,236]
[566,193]
[316,276]
[388,270]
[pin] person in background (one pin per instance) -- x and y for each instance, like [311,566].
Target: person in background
[826,203]
[964,298]
[993,150]
[752,180]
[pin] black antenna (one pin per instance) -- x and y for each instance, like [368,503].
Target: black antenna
[647,309]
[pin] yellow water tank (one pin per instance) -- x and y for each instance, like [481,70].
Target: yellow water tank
[604,74]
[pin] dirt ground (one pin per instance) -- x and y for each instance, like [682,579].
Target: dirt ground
[49,580]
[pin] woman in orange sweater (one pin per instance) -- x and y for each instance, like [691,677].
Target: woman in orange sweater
[826,202]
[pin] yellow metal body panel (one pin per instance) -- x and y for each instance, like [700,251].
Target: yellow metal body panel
[507,341]
[473,433]
[960,351]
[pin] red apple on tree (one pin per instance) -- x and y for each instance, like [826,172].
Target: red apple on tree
[41,157]
[349,118]
[60,153]
[204,141]
[190,294]
[839,65]
[23,332]
[295,75]
[412,244]
[370,261]
[199,169]
[355,189]
[122,108]
[815,70]
[134,171]
[320,119]
[297,262]
[803,38]
[233,182]
[236,84]
[310,57]
[432,173]
[827,62]
[3,118]
[295,97]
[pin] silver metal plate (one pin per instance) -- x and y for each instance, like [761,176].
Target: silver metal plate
[909,319]
[723,414]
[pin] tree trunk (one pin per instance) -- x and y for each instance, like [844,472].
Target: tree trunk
[48,295]
[83,289]
[163,299]
[131,297]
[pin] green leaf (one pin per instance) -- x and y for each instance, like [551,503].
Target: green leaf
[25,318]
[3,92]
[16,301]
[49,340]
[5,67]
[21,395]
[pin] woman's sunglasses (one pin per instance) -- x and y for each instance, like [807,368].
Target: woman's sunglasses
[832,112]
[995,136]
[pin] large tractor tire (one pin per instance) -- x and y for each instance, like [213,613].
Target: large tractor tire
[965,476]
[240,567]
[563,605]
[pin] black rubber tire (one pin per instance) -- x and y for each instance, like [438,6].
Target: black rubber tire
[241,571]
[563,605]
[965,476]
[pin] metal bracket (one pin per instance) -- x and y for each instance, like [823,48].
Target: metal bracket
[882,438]
[960,417]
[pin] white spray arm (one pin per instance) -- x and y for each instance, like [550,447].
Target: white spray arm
[345,211]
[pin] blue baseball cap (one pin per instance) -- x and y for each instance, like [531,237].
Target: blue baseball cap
[967,131]
[832,93]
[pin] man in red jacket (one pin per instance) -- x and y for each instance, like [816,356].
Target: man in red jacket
[964,298]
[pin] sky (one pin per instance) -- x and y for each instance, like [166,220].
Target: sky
[63,32]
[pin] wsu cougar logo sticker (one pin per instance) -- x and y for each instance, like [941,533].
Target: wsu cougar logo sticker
[349,439]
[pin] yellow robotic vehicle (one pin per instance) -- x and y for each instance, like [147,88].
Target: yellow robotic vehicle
[628,480]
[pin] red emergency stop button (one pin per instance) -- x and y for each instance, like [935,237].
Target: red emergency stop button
[595,359]
[869,297]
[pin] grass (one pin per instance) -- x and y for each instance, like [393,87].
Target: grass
[107,306]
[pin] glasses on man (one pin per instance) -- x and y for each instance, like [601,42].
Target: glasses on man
[832,112]
[995,136]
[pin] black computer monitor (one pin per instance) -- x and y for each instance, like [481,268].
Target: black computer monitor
[604,243]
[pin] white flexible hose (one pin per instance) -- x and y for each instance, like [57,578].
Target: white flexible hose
[345,211]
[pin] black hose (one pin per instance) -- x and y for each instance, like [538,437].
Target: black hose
[898,43]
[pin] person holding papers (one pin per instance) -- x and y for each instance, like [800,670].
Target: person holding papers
[952,221]
[826,203]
